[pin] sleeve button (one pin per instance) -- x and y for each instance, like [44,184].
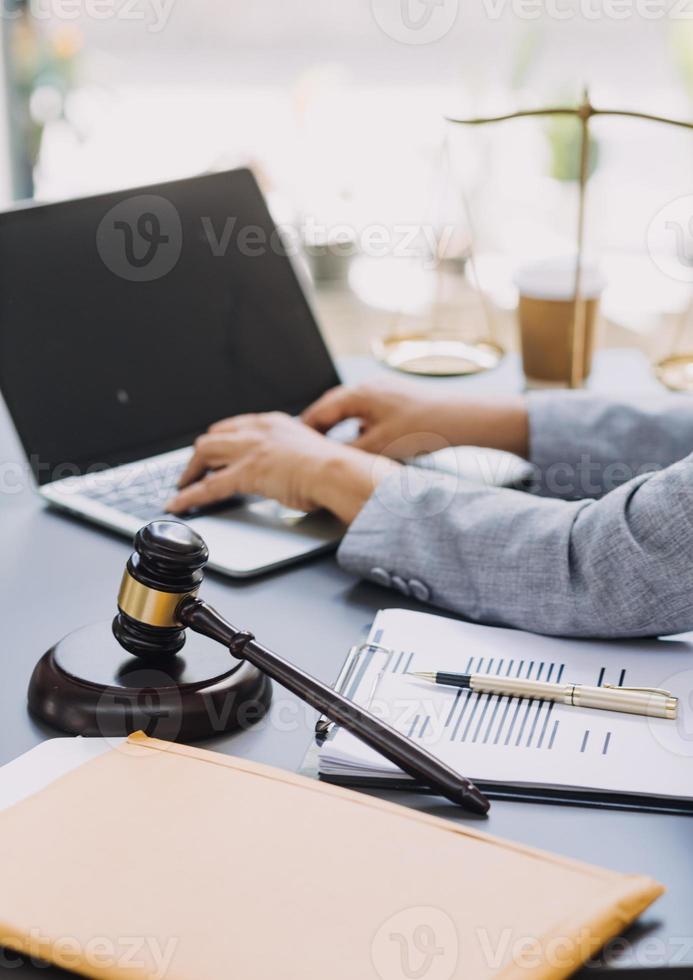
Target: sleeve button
[381,577]
[400,584]
[419,590]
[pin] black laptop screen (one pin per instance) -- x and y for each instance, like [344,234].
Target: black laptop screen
[131,321]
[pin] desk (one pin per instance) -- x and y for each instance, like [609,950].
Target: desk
[58,573]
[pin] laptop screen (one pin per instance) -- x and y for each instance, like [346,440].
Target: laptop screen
[131,321]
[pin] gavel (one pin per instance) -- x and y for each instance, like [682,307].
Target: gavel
[158,602]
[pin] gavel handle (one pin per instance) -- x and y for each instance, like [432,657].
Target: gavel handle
[402,751]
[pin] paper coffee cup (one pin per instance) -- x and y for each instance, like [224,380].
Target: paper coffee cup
[546,313]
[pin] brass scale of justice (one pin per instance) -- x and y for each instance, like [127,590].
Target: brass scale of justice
[444,354]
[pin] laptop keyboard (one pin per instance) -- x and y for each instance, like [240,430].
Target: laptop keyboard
[140,493]
[143,490]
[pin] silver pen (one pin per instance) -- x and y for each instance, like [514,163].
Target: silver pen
[634,700]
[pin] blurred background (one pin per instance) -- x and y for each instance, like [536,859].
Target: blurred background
[339,107]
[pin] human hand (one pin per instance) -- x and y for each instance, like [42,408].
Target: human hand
[278,457]
[401,419]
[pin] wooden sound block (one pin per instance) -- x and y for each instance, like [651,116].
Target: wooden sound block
[88,685]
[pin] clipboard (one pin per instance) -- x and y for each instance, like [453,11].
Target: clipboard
[358,658]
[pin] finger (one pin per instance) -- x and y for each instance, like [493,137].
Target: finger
[370,440]
[233,423]
[380,441]
[334,406]
[194,469]
[197,464]
[211,489]
[211,451]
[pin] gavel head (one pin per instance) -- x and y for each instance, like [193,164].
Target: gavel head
[165,568]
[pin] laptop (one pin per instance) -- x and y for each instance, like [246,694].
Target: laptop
[131,321]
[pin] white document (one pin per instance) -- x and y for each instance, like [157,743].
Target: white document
[46,762]
[514,741]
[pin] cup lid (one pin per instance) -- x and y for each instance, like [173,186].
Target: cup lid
[555,279]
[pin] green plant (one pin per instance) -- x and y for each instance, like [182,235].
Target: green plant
[682,47]
[563,134]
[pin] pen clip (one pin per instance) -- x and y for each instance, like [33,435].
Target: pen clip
[642,690]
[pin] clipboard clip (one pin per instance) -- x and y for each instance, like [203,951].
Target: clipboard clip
[369,646]
[323,724]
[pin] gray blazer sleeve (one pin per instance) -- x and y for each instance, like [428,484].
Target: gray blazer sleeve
[621,566]
[583,445]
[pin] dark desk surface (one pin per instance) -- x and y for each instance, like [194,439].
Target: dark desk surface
[58,574]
